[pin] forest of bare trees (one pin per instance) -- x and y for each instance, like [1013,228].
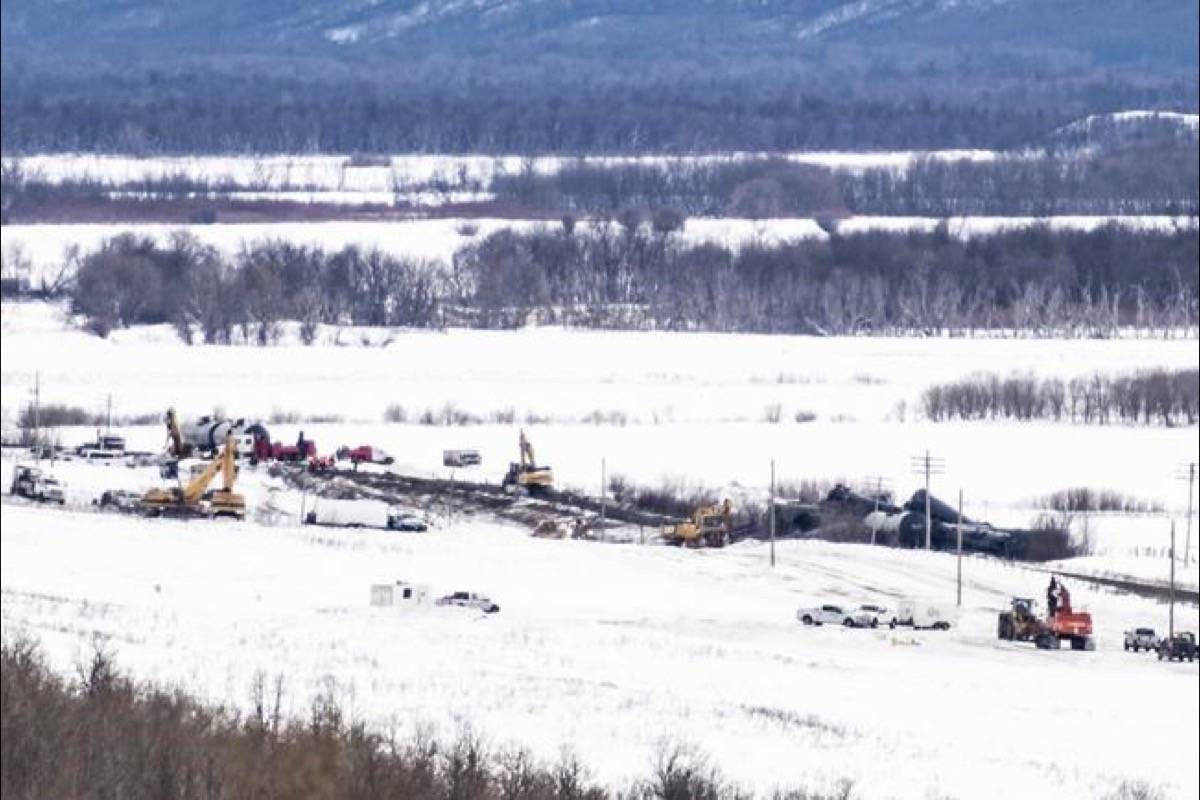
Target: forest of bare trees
[1148,397]
[1145,180]
[131,280]
[638,272]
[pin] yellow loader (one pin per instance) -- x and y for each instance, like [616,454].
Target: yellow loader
[709,526]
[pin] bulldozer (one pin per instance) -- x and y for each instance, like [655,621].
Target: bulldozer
[195,499]
[1023,624]
[709,526]
[526,476]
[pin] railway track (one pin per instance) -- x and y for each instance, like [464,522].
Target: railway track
[563,506]
[472,496]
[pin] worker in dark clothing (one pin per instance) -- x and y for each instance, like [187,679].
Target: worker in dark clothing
[1052,597]
[300,444]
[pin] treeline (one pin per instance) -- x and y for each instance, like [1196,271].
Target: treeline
[1159,180]
[1148,397]
[1034,280]
[737,187]
[641,273]
[131,280]
[103,735]
[221,111]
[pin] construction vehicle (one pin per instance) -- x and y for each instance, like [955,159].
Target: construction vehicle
[207,434]
[1022,624]
[1178,647]
[527,476]
[195,499]
[709,526]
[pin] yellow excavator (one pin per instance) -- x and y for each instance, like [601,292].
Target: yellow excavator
[527,475]
[195,499]
[709,526]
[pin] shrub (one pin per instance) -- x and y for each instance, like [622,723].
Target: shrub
[1082,498]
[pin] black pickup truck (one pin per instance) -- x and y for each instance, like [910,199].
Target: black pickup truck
[1177,648]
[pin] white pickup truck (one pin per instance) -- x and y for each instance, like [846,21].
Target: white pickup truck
[835,615]
[34,484]
[1141,639]
[469,600]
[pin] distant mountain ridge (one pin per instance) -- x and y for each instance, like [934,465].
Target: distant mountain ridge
[1157,33]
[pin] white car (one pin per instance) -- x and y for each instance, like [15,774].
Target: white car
[835,615]
[469,600]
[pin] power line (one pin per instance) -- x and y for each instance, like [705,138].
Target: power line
[771,510]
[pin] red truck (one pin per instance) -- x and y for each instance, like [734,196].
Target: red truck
[364,454]
[302,450]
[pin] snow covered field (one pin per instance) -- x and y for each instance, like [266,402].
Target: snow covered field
[671,407]
[334,172]
[611,649]
[43,248]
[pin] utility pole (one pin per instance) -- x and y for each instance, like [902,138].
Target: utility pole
[771,511]
[1188,473]
[1171,612]
[37,411]
[928,465]
[603,493]
[108,415]
[960,504]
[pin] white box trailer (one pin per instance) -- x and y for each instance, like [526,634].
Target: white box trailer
[399,594]
[348,513]
[924,614]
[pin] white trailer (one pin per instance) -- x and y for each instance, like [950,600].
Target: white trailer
[348,513]
[924,614]
[399,594]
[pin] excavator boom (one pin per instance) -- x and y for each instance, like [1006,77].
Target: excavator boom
[195,499]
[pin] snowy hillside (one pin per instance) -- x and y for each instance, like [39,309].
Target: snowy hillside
[612,648]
